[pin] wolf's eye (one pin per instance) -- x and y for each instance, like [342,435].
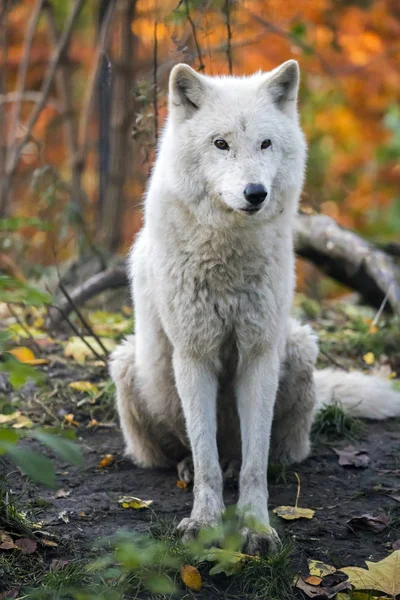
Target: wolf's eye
[221,144]
[266,144]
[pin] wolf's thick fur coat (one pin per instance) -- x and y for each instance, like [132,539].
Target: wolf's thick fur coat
[217,368]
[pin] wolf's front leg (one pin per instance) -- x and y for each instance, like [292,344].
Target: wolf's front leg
[256,387]
[197,388]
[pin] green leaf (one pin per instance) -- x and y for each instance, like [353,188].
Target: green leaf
[37,467]
[14,291]
[16,223]
[8,437]
[18,372]
[66,449]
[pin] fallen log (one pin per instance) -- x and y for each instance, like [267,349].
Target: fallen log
[348,258]
[339,253]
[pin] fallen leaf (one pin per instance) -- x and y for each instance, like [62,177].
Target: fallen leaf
[10,594]
[350,457]
[106,461]
[182,484]
[396,545]
[290,513]
[369,358]
[132,502]
[93,423]
[17,419]
[383,576]
[84,386]
[367,521]
[313,580]
[63,516]
[77,349]
[61,494]
[57,564]
[26,356]
[320,592]
[70,420]
[320,569]
[191,578]
[228,561]
[26,545]
[82,514]
[49,543]
[7,542]
[23,422]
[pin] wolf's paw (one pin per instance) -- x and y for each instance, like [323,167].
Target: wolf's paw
[260,542]
[185,469]
[189,528]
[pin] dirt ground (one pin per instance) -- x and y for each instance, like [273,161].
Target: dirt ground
[89,508]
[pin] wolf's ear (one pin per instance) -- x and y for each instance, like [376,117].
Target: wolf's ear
[186,90]
[283,86]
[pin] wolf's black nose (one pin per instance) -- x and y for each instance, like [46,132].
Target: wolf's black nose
[255,193]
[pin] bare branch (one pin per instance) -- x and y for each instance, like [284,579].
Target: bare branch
[23,69]
[195,39]
[155,83]
[28,96]
[93,79]
[12,162]
[109,279]
[64,89]
[229,35]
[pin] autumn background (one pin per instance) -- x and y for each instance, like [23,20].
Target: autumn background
[76,183]
[82,102]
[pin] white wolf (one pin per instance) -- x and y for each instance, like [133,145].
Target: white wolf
[217,368]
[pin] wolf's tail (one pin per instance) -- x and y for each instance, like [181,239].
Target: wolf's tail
[360,395]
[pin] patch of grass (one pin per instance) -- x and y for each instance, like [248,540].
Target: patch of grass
[332,423]
[12,518]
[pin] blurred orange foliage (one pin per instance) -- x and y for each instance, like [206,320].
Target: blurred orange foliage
[349,53]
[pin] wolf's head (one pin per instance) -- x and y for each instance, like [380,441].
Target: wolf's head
[235,143]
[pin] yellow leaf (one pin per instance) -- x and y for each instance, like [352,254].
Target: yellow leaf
[9,418]
[290,513]
[191,578]
[320,569]
[84,386]
[22,422]
[313,580]
[79,351]
[182,484]
[132,502]
[70,419]
[26,356]
[383,576]
[369,358]
[19,420]
[106,461]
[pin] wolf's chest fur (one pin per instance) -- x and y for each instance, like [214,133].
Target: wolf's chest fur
[224,290]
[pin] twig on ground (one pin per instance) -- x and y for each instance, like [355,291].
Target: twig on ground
[24,328]
[109,279]
[66,318]
[332,360]
[80,316]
